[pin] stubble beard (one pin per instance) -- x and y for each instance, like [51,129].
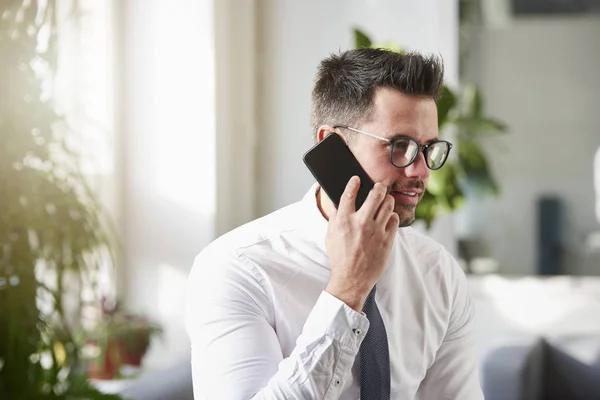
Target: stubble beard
[407,212]
[407,215]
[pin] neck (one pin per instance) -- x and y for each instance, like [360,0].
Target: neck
[324,203]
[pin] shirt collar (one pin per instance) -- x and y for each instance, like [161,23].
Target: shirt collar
[314,222]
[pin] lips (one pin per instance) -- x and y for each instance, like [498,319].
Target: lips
[407,197]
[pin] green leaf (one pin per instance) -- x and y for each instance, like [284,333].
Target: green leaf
[361,40]
[445,103]
[427,209]
[473,127]
[449,195]
[389,46]
[445,187]
[469,103]
[438,180]
[477,101]
[477,173]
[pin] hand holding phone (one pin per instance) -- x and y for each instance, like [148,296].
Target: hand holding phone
[358,241]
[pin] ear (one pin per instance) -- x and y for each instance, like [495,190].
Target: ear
[324,131]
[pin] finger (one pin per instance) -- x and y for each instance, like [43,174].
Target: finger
[393,223]
[385,209]
[373,201]
[348,200]
[332,214]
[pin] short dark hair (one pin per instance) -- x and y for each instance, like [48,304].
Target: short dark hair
[346,82]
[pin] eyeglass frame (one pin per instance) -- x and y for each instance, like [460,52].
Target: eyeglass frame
[423,148]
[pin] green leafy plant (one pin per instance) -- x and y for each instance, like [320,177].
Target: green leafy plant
[55,238]
[460,111]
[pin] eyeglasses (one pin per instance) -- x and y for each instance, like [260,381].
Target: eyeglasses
[404,150]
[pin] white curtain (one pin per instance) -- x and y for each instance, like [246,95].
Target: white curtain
[187,128]
[167,131]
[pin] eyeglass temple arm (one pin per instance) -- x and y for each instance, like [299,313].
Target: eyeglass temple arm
[364,133]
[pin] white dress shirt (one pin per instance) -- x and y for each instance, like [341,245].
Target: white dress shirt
[262,326]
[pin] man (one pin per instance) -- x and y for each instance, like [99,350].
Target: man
[314,302]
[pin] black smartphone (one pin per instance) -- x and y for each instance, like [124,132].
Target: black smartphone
[332,164]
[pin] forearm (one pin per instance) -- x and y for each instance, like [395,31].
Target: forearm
[249,363]
[335,341]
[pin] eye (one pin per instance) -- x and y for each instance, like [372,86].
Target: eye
[401,145]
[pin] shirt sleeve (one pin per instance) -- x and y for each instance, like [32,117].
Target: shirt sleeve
[454,374]
[235,350]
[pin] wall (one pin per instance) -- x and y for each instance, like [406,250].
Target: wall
[539,75]
[293,37]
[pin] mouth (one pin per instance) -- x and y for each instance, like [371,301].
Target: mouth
[407,197]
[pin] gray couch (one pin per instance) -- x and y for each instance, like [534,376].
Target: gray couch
[553,368]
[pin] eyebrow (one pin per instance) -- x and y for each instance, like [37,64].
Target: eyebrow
[401,135]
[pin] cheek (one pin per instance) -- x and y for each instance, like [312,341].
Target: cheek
[378,166]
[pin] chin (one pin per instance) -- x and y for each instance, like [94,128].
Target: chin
[406,214]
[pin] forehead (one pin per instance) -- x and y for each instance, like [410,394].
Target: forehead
[397,113]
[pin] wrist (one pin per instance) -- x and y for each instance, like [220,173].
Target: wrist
[355,299]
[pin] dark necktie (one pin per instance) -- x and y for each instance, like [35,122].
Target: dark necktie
[374,355]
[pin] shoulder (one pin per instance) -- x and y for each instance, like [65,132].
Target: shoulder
[224,275]
[227,256]
[254,232]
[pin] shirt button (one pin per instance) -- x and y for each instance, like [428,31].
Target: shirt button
[337,382]
[356,331]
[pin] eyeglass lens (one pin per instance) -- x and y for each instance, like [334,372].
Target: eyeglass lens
[405,150]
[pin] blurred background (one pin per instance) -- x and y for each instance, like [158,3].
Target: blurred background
[135,132]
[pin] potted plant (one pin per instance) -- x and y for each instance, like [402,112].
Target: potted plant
[105,362]
[120,338]
[135,337]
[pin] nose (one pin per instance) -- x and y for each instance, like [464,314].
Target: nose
[417,169]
